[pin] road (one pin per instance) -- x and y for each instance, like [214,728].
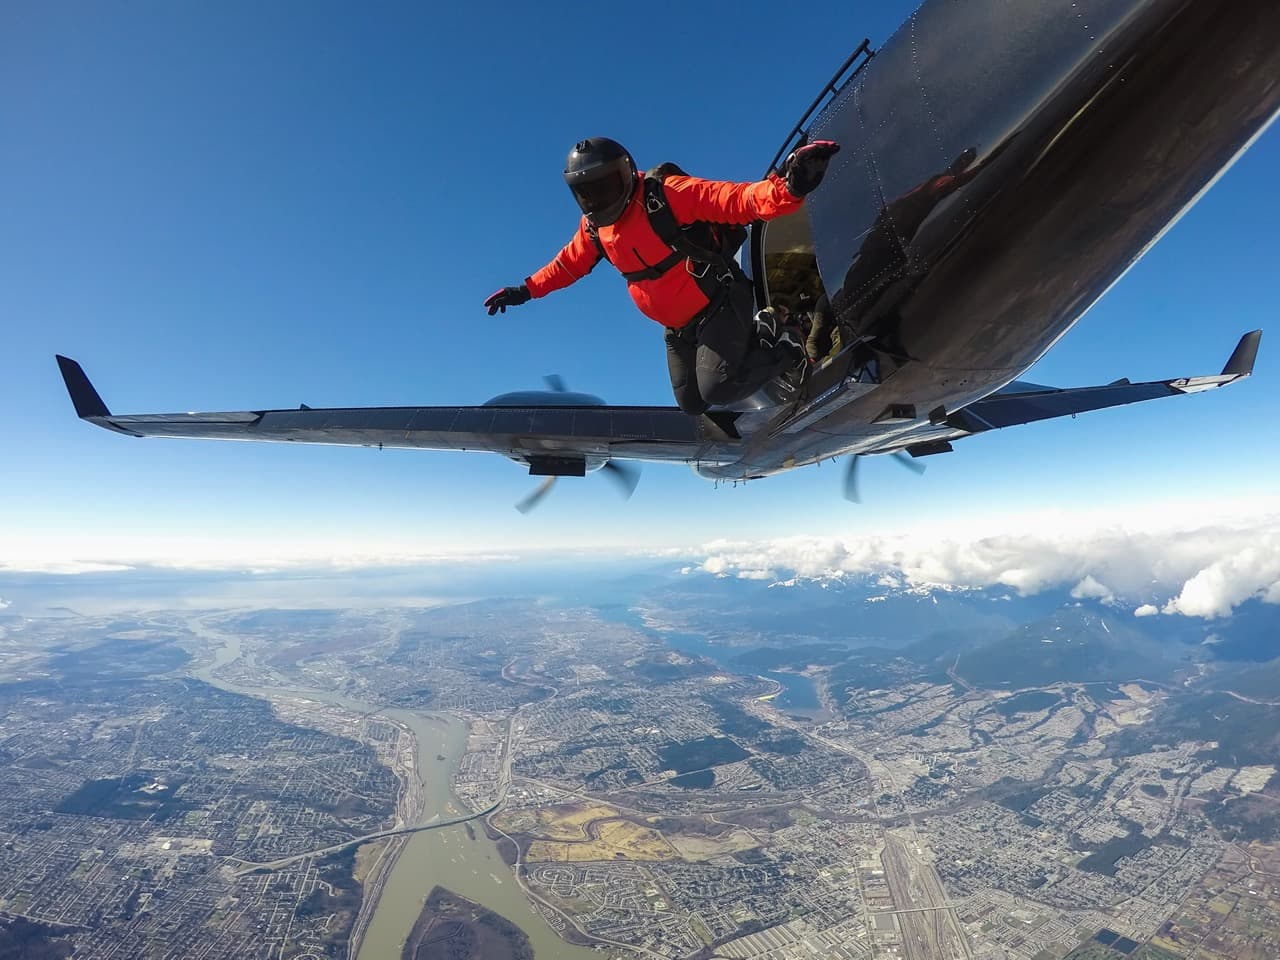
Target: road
[1243,699]
[247,866]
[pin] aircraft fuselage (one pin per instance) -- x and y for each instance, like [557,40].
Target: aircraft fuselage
[1002,166]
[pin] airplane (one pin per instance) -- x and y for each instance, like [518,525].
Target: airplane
[1003,165]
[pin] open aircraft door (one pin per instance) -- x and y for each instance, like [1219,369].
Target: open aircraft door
[784,263]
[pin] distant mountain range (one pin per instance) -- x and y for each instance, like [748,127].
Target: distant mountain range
[994,636]
[1074,644]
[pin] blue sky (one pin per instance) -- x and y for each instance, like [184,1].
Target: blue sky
[236,205]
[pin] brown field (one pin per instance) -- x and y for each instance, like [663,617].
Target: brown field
[596,831]
[704,848]
[1234,914]
[367,855]
[563,821]
[764,818]
[615,839]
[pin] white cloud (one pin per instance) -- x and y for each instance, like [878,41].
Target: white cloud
[102,554]
[4,603]
[1197,571]
[1091,589]
[1250,571]
[63,567]
[1151,557]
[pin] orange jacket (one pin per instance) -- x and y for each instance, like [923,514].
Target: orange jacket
[672,299]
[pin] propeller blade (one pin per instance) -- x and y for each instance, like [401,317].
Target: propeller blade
[555,383]
[535,498]
[625,475]
[851,479]
[910,462]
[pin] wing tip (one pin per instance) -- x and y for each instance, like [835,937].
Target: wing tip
[84,397]
[1244,355]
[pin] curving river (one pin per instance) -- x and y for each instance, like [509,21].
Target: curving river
[465,862]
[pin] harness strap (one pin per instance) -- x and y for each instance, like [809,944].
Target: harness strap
[594,234]
[657,270]
[668,229]
[712,269]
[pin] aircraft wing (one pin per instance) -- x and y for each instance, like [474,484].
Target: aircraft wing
[1027,403]
[552,438]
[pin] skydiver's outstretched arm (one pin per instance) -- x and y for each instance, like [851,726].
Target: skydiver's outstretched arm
[719,201]
[575,260]
[578,257]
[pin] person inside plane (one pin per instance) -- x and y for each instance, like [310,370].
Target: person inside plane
[672,237]
[813,315]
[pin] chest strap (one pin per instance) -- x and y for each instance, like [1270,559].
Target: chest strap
[657,270]
[710,268]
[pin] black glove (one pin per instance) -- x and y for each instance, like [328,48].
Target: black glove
[507,297]
[803,170]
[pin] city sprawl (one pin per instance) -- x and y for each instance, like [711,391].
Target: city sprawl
[190,784]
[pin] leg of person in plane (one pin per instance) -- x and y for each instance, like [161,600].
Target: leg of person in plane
[824,336]
[730,363]
[682,348]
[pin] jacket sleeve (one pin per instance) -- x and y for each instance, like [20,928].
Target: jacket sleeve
[575,261]
[719,201]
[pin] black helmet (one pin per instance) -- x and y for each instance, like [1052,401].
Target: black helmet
[602,176]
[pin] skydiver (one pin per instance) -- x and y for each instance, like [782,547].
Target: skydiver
[666,233]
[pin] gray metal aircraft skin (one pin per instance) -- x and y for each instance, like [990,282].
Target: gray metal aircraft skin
[1003,164]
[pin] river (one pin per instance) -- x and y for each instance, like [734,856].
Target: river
[450,857]
[799,693]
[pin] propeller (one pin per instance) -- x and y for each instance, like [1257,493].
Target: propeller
[625,476]
[532,500]
[851,472]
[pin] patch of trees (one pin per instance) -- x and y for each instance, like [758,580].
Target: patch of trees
[122,799]
[23,940]
[1104,859]
[336,870]
[1247,733]
[700,753]
[735,721]
[1246,818]
[699,780]
[784,744]
[421,697]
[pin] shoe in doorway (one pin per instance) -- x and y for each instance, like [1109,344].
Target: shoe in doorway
[768,324]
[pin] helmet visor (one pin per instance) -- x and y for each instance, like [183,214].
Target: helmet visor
[602,194]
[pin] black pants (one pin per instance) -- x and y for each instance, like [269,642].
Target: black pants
[717,359]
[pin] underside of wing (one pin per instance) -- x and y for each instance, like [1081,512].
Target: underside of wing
[563,435]
[1021,402]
